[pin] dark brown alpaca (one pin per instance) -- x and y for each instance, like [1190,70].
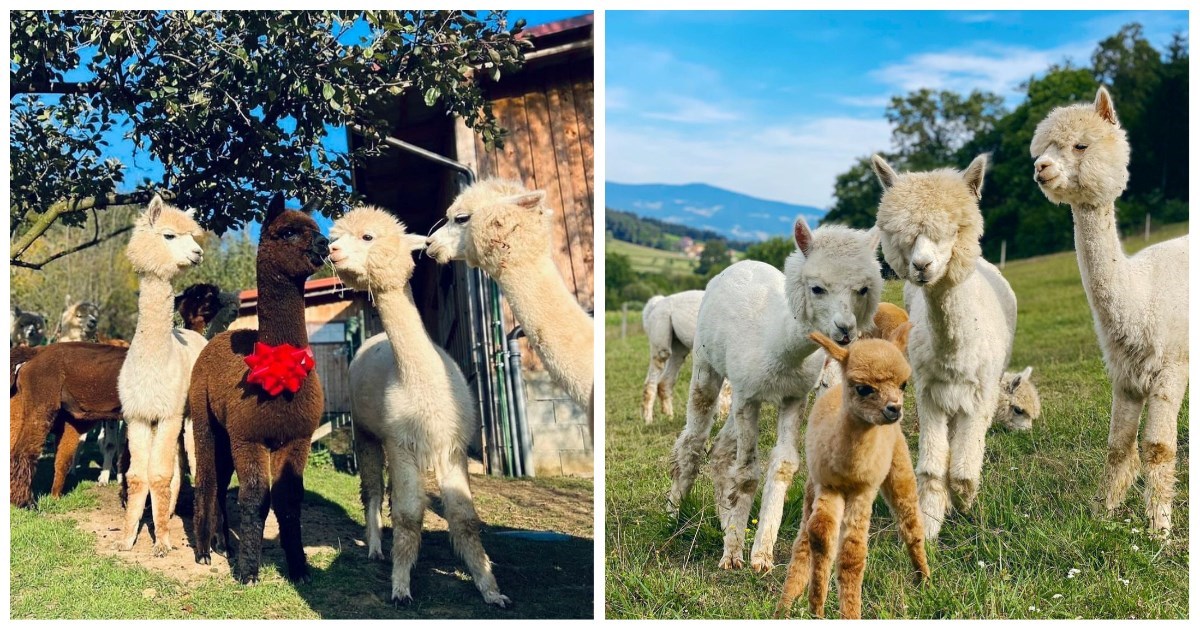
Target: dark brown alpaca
[239,427]
[205,309]
[65,389]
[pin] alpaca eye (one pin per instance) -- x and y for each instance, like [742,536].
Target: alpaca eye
[862,292]
[461,219]
[168,236]
[368,237]
[864,391]
[1080,147]
[818,290]
[1018,411]
[904,386]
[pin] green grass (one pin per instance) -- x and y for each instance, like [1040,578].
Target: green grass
[57,573]
[644,259]
[1008,557]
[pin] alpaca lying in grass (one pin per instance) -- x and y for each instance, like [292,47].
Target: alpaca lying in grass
[503,229]
[410,402]
[670,325]
[753,331]
[1019,404]
[855,450]
[1139,304]
[964,317]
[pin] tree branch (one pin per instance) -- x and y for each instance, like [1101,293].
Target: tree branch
[73,205]
[82,246]
[48,87]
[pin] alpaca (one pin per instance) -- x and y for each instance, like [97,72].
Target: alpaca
[154,378]
[78,323]
[260,423]
[670,325]
[854,449]
[410,401]
[964,317]
[503,229]
[888,317]
[64,389]
[206,309]
[27,328]
[1139,304]
[1019,404]
[752,330]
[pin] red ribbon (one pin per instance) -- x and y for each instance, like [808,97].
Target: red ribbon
[279,368]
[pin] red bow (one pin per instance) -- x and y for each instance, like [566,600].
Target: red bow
[279,368]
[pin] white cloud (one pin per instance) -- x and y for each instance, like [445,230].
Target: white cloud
[689,110]
[648,205]
[703,211]
[878,101]
[975,18]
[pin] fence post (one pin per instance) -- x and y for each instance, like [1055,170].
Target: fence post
[1003,252]
[624,317]
[1147,226]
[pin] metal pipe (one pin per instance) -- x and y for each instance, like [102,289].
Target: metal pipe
[392,141]
[518,385]
[502,400]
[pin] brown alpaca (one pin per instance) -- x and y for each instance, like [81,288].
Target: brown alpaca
[855,450]
[65,389]
[206,309]
[240,427]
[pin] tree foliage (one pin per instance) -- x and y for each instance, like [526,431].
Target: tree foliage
[773,251]
[235,105]
[714,258]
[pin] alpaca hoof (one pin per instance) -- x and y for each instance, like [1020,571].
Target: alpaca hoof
[762,562]
[376,555]
[203,558]
[249,578]
[103,480]
[497,599]
[160,549]
[731,562]
[402,599]
[964,492]
[301,576]
[219,545]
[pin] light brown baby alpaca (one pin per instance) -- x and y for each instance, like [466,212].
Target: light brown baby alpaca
[855,449]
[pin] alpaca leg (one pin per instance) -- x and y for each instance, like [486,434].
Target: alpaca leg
[139,436]
[720,462]
[369,452]
[666,387]
[1158,447]
[933,456]
[785,460]
[798,570]
[110,445]
[966,457]
[899,490]
[1122,467]
[164,474]
[743,479]
[654,373]
[224,462]
[287,499]
[189,446]
[64,457]
[204,483]
[823,527]
[689,447]
[28,427]
[253,465]
[451,469]
[408,507]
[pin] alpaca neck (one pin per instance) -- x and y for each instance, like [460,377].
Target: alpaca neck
[411,347]
[536,293]
[281,310]
[156,302]
[946,303]
[787,337]
[1102,262]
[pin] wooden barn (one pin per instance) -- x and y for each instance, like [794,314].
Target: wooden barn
[528,424]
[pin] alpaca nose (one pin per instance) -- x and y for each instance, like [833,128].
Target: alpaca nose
[321,242]
[892,411]
[921,264]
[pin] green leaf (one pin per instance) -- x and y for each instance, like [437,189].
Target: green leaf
[327,92]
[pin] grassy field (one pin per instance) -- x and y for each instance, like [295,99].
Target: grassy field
[1010,557]
[644,259]
[62,566]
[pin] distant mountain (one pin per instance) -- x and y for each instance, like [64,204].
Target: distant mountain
[734,215]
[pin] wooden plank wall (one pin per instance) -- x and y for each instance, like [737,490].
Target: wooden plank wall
[549,117]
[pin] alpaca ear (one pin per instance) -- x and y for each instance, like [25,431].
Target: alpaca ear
[414,242]
[899,336]
[835,350]
[802,235]
[191,213]
[873,236]
[310,205]
[530,200]
[887,176]
[1104,106]
[154,209]
[274,209]
[974,175]
[1027,373]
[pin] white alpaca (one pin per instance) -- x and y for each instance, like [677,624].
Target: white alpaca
[503,229]
[1139,304]
[154,379]
[670,325]
[753,331]
[1018,405]
[410,401]
[964,317]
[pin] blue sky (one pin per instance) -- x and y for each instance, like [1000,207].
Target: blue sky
[776,104]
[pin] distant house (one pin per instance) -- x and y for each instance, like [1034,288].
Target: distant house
[685,243]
